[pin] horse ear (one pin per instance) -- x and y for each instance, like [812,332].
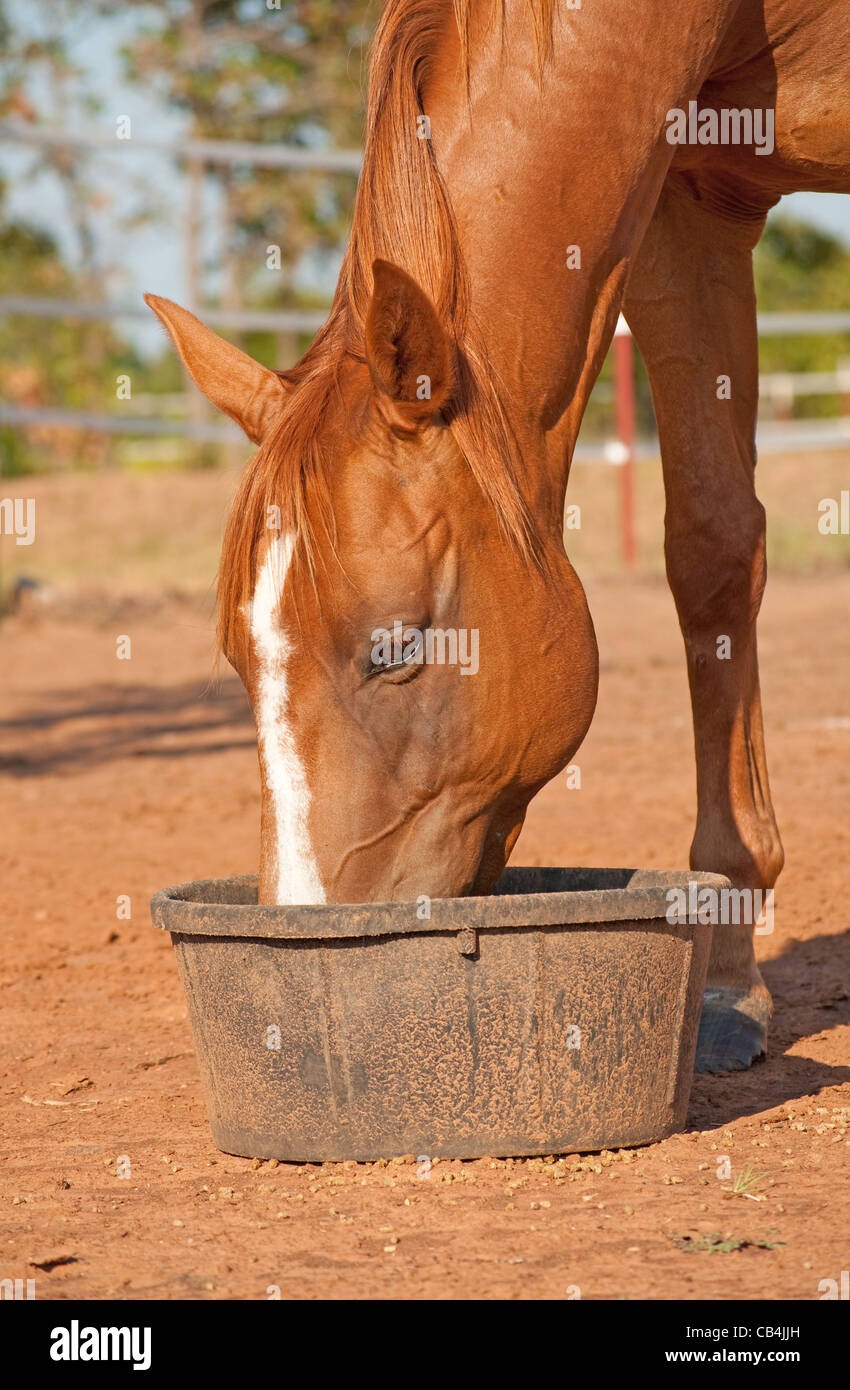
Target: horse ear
[250,394]
[410,355]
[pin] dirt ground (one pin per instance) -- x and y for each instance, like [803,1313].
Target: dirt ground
[123,776]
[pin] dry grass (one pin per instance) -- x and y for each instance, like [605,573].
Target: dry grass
[789,485]
[155,532]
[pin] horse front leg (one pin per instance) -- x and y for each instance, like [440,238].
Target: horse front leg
[691,305]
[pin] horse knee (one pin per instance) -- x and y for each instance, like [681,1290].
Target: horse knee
[717,569]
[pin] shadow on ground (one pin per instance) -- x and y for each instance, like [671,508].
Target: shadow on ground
[810,996]
[69,730]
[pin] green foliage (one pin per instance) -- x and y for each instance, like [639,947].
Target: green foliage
[798,265]
[797,268]
[800,268]
[239,70]
[291,75]
[45,362]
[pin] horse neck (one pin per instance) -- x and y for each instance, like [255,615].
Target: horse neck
[553,174]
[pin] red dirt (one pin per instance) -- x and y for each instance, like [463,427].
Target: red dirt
[125,776]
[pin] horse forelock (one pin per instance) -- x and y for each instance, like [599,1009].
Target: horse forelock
[402,213]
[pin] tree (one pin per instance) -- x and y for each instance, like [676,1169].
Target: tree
[799,267]
[243,71]
[43,361]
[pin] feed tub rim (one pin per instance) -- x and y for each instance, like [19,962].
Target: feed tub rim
[192,909]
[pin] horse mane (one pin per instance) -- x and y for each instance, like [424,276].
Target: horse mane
[402,213]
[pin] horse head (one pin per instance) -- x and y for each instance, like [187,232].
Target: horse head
[418,660]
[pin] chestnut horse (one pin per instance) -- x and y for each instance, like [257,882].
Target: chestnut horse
[519,189]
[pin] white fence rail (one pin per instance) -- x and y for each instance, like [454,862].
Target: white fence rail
[780,388]
[265,156]
[248,320]
[309,321]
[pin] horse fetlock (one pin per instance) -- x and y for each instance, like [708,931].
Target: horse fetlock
[752,857]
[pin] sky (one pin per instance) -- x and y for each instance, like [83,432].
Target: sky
[150,257]
[828,210]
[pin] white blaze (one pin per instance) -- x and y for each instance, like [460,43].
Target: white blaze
[297,878]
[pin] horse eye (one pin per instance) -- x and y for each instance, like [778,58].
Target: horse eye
[394,652]
[411,652]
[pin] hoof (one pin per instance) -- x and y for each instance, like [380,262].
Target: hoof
[732,1029]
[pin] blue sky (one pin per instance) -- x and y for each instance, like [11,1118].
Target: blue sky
[828,210]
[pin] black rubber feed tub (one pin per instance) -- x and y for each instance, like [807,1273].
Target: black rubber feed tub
[558,1015]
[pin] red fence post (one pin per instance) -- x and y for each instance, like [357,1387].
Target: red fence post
[624,407]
